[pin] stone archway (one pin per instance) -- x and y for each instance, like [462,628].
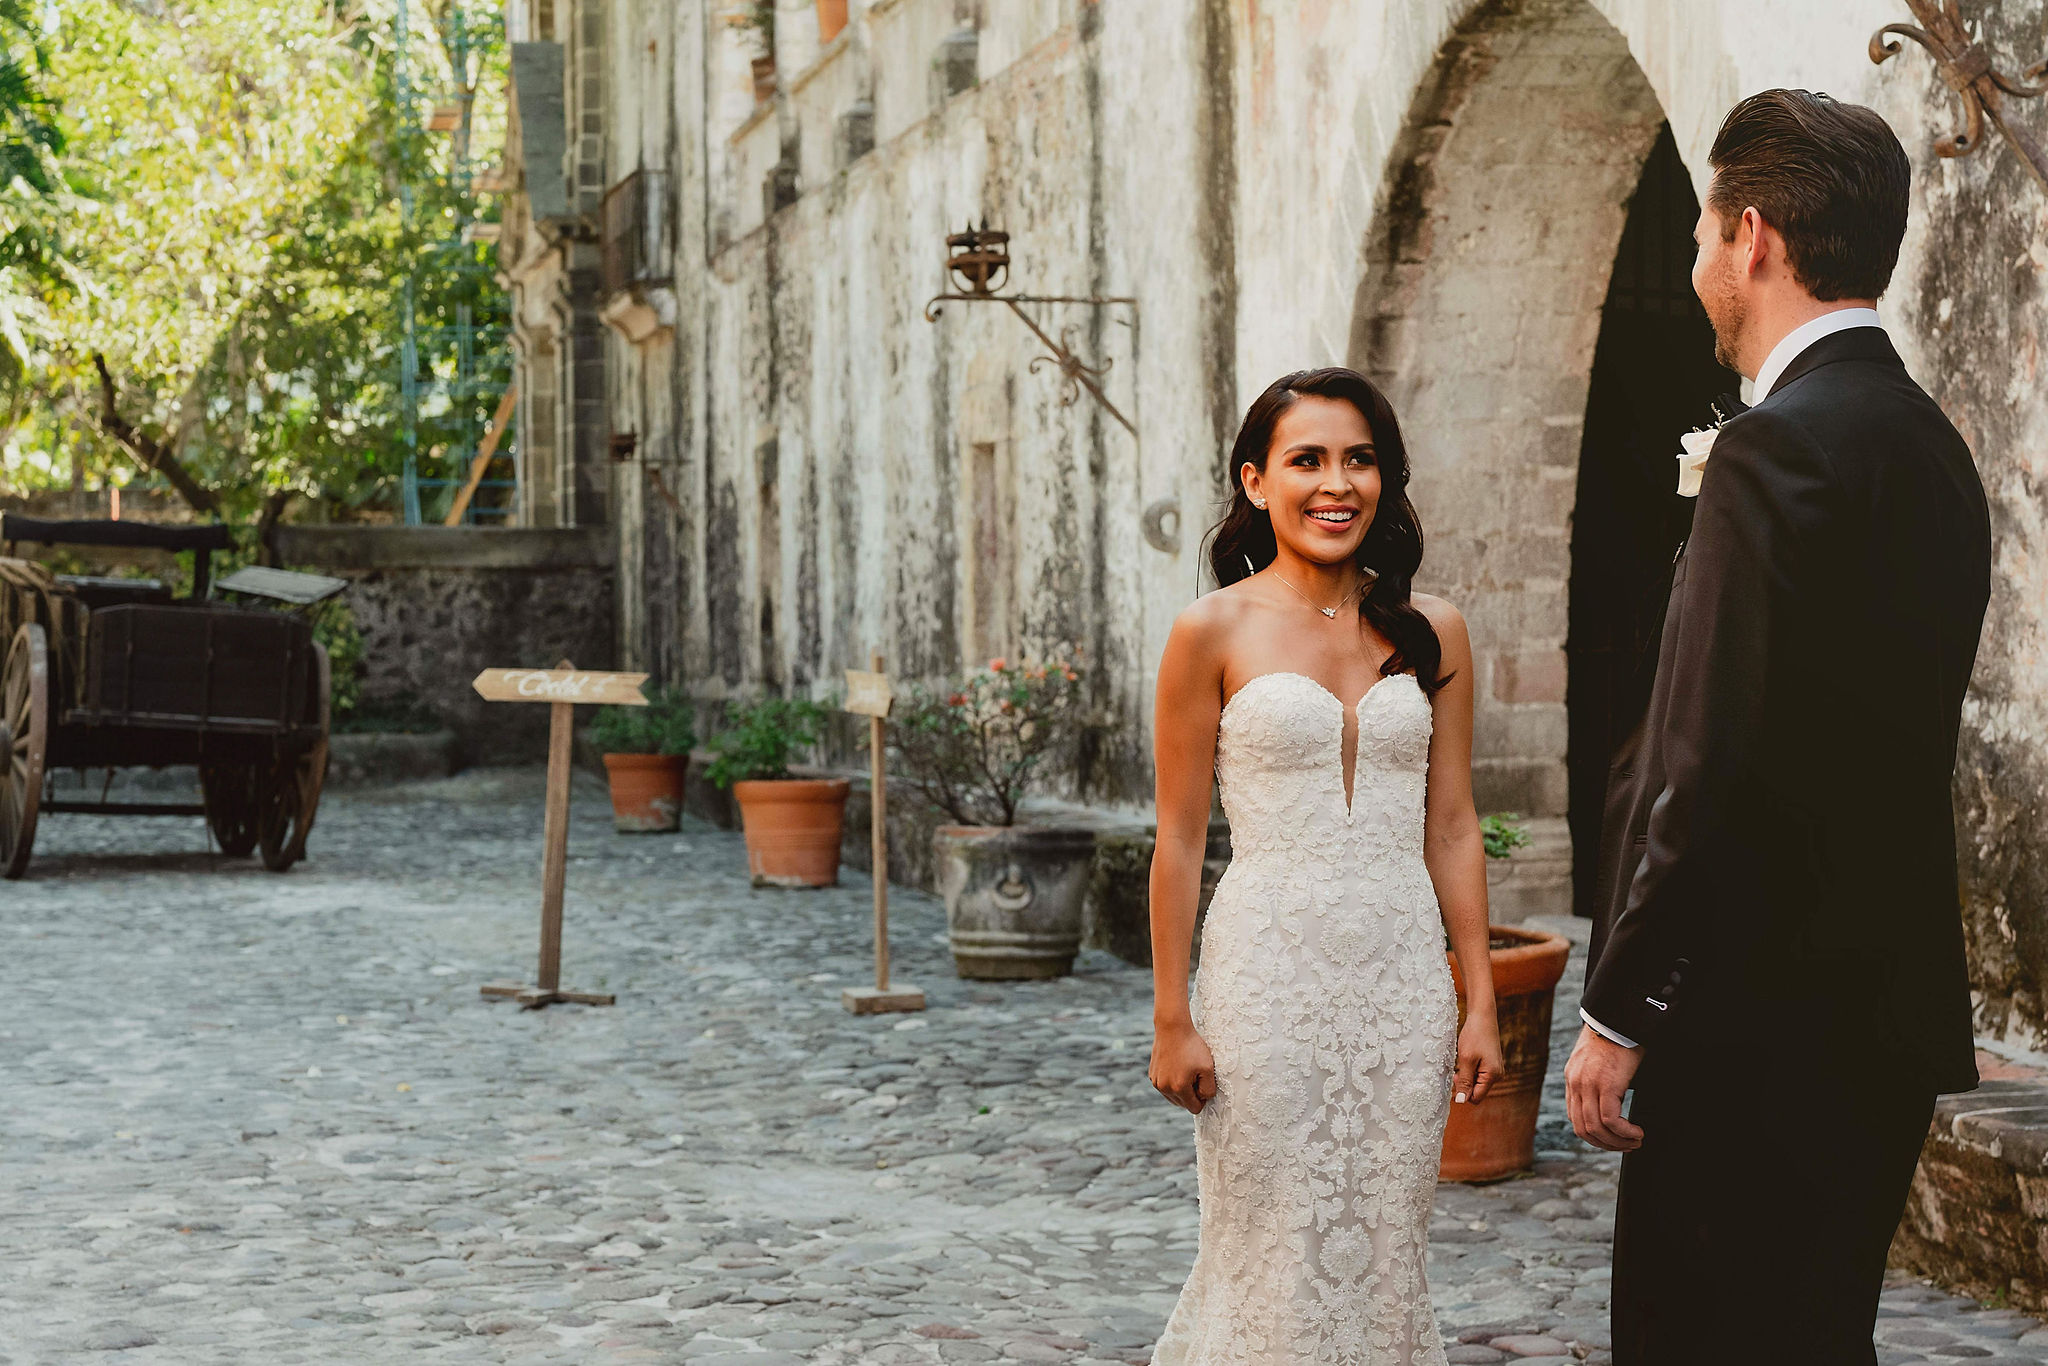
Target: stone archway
[1495,235]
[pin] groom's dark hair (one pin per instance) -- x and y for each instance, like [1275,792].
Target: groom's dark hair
[1830,177]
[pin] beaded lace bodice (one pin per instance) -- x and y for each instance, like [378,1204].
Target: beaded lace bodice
[1325,998]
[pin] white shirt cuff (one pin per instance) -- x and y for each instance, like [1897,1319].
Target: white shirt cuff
[1604,1032]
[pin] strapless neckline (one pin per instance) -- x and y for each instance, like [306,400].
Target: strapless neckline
[1348,794]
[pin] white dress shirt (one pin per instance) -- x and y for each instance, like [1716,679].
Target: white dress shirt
[1774,367]
[1806,334]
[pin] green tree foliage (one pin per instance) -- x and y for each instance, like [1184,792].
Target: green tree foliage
[31,197]
[245,204]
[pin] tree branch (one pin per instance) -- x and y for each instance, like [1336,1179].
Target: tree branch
[147,451]
[274,504]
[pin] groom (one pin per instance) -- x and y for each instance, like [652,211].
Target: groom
[1781,976]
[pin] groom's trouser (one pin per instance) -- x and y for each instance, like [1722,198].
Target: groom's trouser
[1753,1223]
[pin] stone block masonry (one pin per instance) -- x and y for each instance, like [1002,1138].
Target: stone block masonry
[1978,1216]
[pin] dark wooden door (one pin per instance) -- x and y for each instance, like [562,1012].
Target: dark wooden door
[1654,377]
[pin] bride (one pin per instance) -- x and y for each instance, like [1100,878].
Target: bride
[1323,1049]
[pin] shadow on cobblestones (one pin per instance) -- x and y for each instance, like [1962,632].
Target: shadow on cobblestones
[269,1119]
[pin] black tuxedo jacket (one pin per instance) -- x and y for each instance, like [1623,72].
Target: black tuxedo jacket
[1779,858]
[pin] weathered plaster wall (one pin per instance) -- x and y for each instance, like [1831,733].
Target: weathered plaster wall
[1971,305]
[864,479]
[1433,188]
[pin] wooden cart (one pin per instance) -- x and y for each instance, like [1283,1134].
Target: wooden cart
[111,673]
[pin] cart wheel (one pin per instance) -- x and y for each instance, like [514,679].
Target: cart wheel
[230,795]
[290,798]
[25,711]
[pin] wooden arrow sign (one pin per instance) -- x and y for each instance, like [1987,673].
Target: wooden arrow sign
[561,685]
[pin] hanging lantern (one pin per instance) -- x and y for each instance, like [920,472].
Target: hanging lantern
[979,259]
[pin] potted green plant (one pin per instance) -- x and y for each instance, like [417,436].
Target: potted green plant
[1014,893]
[646,757]
[1497,1139]
[792,825]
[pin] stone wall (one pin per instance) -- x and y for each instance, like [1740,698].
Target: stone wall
[1977,1218]
[437,605]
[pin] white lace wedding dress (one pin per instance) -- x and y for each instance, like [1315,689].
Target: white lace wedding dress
[1324,995]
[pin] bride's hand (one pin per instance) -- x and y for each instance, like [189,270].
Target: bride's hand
[1479,1059]
[1182,1068]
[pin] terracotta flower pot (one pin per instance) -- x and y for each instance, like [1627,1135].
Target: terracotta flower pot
[764,79]
[1014,897]
[647,791]
[1497,1137]
[831,19]
[792,828]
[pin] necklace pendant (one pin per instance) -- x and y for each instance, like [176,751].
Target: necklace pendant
[1330,612]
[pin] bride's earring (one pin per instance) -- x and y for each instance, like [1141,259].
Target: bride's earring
[1259,503]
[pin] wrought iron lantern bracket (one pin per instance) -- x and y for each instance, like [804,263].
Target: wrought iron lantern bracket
[1967,69]
[981,262]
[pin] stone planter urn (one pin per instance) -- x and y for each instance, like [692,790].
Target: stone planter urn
[1014,896]
[792,828]
[1497,1137]
[647,791]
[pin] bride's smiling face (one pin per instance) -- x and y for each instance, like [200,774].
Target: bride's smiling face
[1321,484]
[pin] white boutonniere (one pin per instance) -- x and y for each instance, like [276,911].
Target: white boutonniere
[1692,461]
[1699,445]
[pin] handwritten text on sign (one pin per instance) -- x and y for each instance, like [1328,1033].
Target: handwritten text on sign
[560,685]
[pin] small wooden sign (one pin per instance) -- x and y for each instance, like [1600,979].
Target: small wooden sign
[561,685]
[562,688]
[867,694]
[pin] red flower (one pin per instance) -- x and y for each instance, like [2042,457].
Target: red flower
[997,664]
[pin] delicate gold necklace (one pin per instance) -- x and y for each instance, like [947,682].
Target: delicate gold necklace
[1330,612]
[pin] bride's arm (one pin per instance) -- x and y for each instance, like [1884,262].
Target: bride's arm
[1456,852]
[1187,706]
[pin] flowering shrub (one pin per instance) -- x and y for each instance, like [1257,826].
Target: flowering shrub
[974,746]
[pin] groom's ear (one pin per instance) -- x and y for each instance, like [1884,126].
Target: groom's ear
[1757,242]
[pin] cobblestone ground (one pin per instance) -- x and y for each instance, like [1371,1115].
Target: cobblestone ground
[268,1119]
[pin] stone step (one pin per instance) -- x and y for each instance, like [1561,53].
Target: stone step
[1977,1220]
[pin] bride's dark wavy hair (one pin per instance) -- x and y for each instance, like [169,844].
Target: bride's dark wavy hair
[1242,542]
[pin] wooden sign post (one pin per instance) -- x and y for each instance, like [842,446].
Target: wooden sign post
[562,688]
[867,694]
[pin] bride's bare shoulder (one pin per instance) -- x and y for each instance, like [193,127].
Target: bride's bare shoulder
[1203,631]
[1441,614]
[1449,625]
[1212,617]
